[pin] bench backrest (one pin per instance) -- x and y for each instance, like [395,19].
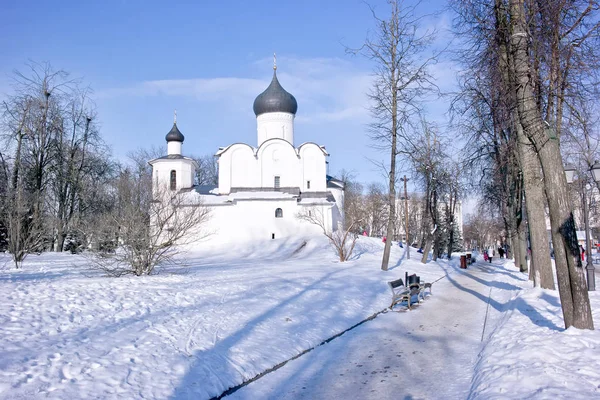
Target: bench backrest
[396,283]
[413,279]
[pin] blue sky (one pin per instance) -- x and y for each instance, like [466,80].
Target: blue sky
[209,60]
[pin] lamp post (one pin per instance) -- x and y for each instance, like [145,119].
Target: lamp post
[589,267]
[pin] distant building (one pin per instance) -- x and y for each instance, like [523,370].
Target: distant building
[261,189]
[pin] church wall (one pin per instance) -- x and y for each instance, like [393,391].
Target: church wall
[237,163]
[275,125]
[337,211]
[278,158]
[224,169]
[314,168]
[239,167]
[250,214]
[243,168]
[161,173]
[173,147]
[255,220]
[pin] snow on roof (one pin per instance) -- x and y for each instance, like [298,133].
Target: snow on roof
[261,195]
[209,196]
[314,200]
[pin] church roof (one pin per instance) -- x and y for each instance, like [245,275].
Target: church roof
[174,134]
[210,195]
[334,183]
[275,99]
[174,157]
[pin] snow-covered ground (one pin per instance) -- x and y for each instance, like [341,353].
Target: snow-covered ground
[229,314]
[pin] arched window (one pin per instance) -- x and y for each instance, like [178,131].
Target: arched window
[279,213]
[173,184]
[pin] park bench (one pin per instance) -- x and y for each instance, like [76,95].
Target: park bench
[414,282]
[402,292]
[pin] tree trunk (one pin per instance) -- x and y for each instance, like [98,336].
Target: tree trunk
[523,254]
[513,232]
[541,264]
[60,241]
[570,274]
[426,250]
[516,253]
[426,245]
[510,248]
[393,153]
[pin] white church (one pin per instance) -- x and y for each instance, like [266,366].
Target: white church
[261,189]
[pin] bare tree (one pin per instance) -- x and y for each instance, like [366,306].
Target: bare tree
[427,161]
[375,210]
[401,79]
[571,279]
[28,121]
[343,240]
[153,226]
[481,230]
[451,197]
[354,201]
[497,147]
[76,142]
[415,216]
[53,153]
[207,173]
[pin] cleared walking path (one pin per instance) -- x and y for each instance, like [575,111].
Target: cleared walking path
[426,353]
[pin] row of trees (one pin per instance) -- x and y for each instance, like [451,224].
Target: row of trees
[528,86]
[367,211]
[403,54]
[529,83]
[60,187]
[54,164]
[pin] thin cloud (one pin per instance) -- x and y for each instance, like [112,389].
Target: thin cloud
[203,89]
[327,89]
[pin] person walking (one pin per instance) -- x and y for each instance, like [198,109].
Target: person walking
[490,253]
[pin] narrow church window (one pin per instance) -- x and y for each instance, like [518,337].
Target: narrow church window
[308,184]
[277,181]
[279,213]
[173,185]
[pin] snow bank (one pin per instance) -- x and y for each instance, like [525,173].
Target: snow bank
[531,356]
[229,313]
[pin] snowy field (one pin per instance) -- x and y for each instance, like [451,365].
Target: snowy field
[227,315]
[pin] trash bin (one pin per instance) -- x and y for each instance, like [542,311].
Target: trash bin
[463,262]
[468,258]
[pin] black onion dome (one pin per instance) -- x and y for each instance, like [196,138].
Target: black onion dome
[275,99]
[174,134]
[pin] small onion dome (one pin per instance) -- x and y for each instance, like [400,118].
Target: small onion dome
[174,134]
[275,99]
